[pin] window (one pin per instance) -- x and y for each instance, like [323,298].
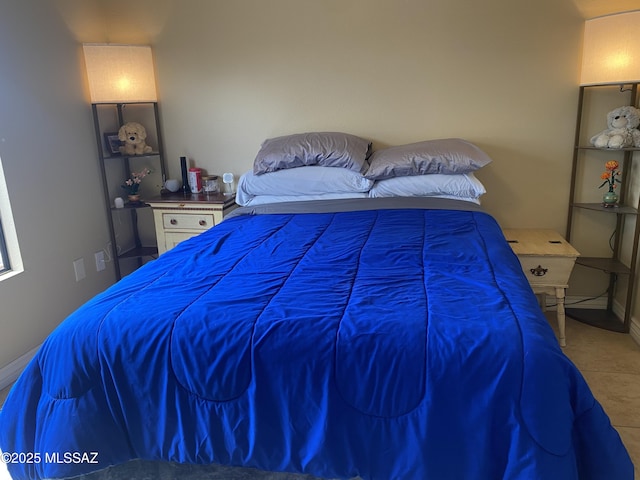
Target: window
[4,258]
[10,259]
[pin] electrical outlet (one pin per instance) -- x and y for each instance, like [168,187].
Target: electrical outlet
[100,265]
[78,268]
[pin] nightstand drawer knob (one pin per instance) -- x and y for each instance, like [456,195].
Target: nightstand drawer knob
[202,223]
[174,221]
[539,271]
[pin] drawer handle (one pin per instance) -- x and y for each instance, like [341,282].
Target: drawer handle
[173,221]
[202,223]
[539,271]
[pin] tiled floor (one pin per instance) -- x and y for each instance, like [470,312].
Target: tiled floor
[610,362]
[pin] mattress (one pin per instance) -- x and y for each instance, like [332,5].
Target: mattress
[372,339]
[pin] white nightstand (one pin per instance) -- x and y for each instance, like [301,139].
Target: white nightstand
[178,217]
[547,260]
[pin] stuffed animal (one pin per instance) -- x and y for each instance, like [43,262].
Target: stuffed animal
[133,135]
[623,129]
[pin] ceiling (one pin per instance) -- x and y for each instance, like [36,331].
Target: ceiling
[102,20]
[598,8]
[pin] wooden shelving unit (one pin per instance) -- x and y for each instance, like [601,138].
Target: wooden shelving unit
[623,259]
[132,241]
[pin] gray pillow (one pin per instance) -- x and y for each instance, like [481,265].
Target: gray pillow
[446,156]
[326,149]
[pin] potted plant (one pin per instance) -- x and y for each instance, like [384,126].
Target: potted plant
[132,184]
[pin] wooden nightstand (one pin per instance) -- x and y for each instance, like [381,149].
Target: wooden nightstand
[547,260]
[178,217]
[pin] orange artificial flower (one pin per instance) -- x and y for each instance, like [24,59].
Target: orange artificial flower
[610,175]
[611,165]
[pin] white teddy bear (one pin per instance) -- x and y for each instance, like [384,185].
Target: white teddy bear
[133,135]
[623,129]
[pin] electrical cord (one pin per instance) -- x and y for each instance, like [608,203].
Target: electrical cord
[606,292]
[611,239]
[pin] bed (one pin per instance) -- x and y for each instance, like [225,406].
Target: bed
[336,338]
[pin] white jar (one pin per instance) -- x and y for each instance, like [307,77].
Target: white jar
[210,184]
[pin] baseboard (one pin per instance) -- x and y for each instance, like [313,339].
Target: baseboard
[599,303]
[635,330]
[11,372]
[634,325]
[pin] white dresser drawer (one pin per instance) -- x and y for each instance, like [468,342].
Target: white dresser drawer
[178,217]
[546,270]
[188,221]
[171,239]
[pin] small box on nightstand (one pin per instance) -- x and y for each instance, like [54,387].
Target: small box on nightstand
[547,260]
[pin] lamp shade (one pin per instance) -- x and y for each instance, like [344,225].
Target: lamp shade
[120,73]
[611,50]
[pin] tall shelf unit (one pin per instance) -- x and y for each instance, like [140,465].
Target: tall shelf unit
[131,229]
[588,218]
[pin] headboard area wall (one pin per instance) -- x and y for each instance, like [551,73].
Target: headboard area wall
[501,74]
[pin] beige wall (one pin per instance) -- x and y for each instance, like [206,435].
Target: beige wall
[49,159]
[500,73]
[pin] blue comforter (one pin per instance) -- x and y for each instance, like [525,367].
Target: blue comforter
[389,344]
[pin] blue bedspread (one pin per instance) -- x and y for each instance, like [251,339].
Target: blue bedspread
[389,344]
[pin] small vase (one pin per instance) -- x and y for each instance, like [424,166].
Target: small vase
[134,198]
[610,199]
